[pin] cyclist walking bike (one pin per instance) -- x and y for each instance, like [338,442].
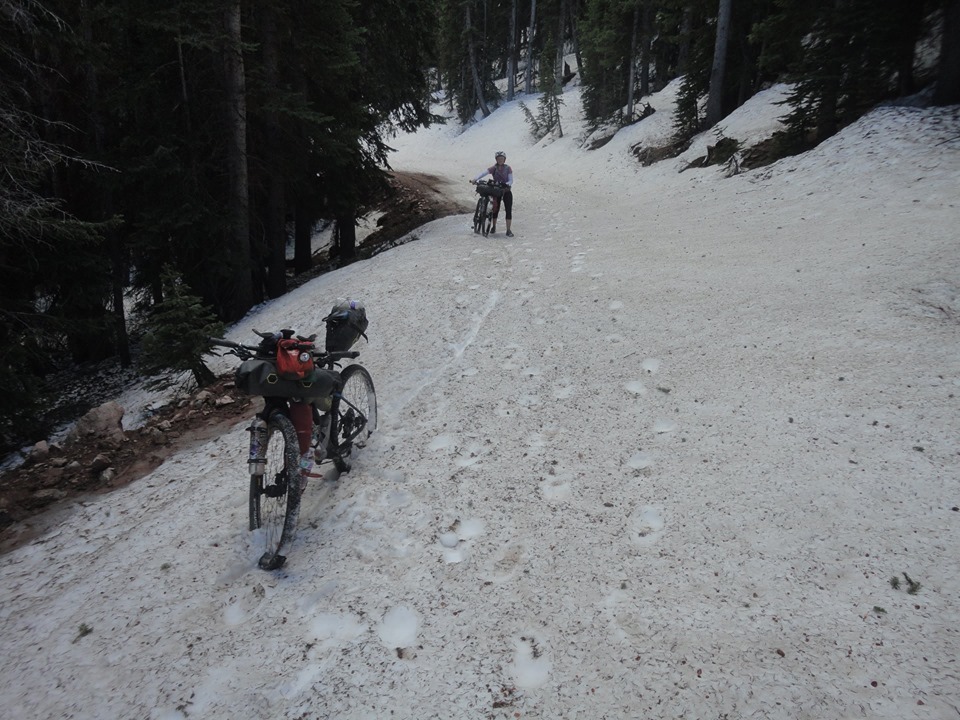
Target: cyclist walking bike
[502,175]
[488,207]
[313,413]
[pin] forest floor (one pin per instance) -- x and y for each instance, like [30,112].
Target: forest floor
[35,494]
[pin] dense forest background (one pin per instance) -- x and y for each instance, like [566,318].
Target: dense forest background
[158,159]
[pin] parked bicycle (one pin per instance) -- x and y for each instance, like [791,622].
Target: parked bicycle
[488,205]
[313,413]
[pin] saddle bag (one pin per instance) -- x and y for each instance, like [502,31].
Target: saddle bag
[346,324]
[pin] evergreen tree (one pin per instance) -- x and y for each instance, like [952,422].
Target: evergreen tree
[178,332]
[851,59]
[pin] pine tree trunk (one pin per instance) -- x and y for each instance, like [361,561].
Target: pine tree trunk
[347,237]
[715,96]
[631,76]
[574,12]
[118,255]
[471,49]
[302,234]
[275,229]
[511,52]
[947,91]
[558,63]
[683,53]
[646,36]
[528,77]
[236,299]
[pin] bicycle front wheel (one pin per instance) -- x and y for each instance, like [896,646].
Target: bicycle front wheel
[275,495]
[479,214]
[355,410]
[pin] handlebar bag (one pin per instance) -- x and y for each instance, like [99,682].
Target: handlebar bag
[491,190]
[294,359]
[260,377]
[346,324]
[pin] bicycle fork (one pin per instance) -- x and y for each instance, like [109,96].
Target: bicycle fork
[257,461]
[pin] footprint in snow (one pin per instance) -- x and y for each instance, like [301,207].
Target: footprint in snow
[531,664]
[555,488]
[457,540]
[650,365]
[335,629]
[243,604]
[636,387]
[398,629]
[645,526]
[640,461]
[441,442]
[507,565]
[661,427]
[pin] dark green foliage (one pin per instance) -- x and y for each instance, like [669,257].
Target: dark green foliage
[547,119]
[852,58]
[605,42]
[178,332]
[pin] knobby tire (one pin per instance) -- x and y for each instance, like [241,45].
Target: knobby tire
[354,410]
[479,214]
[275,495]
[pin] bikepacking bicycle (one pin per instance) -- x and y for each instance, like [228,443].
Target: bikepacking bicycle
[488,205]
[313,413]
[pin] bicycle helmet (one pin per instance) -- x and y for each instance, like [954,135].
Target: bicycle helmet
[500,154]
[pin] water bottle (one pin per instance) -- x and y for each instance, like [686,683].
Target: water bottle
[258,447]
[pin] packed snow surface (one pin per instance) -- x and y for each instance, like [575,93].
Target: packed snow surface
[657,456]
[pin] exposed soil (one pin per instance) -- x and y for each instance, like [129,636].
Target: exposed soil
[35,495]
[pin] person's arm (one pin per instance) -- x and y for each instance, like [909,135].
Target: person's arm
[481,175]
[510,179]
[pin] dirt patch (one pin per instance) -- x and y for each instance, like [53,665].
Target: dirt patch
[34,496]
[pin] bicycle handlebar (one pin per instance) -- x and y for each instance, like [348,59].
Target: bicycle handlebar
[245,352]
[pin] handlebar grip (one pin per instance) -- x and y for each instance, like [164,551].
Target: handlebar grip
[223,343]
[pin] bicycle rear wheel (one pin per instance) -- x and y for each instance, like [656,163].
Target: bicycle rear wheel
[354,410]
[275,495]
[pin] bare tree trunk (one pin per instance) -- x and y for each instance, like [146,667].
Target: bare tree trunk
[302,235]
[347,237]
[558,63]
[511,52]
[631,76]
[471,48]
[683,54]
[528,77]
[646,38]
[574,8]
[275,230]
[118,255]
[238,297]
[947,91]
[715,96]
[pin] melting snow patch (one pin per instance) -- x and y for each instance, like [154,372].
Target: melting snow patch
[636,387]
